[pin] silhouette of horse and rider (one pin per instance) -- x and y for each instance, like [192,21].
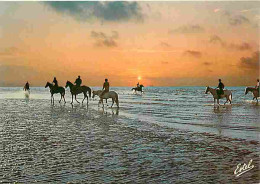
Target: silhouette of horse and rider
[217,93]
[138,87]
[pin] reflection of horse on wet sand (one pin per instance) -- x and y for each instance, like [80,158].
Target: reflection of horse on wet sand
[227,94]
[54,89]
[254,91]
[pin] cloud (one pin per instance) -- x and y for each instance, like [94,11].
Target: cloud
[112,11]
[238,20]
[207,63]
[165,45]
[242,46]
[235,20]
[192,53]
[187,29]
[250,62]
[10,51]
[103,40]
[214,39]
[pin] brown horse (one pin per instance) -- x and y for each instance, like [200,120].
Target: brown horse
[75,90]
[254,91]
[54,89]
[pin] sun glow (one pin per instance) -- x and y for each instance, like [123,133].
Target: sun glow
[139,78]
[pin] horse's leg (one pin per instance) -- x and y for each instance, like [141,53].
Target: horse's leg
[112,102]
[76,98]
[214,101]
[64,98]
[72,99]
[83,98]
[60,97]
[226,100]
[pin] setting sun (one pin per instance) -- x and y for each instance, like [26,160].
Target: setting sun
[139,78]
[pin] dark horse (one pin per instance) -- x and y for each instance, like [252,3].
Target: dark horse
[75,90]
[54,89]
[140,88]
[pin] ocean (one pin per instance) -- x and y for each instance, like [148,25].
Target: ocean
[165,135]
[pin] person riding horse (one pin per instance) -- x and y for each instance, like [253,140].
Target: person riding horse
[26,86]
[55,82]
[105,87]
[78,82]
[138,85]
[220,87]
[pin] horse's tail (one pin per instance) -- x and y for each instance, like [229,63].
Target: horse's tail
[230,97]
[89,92]
[117,101]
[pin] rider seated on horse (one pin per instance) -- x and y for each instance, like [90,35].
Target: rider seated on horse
[220,87]
[55,82]
[105,87]
[138,85]
[26,86]
[78,81]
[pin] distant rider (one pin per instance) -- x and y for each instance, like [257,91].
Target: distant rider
[55,82]
[105,87]
[220,90]
[27,86]
[78,81]
[137,85]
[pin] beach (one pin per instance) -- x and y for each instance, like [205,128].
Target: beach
[162,136]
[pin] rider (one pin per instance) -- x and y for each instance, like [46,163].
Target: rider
[257,85]
[78,81]
[221,86]
[55,82]
[138,85]
[26,86]
[105,87]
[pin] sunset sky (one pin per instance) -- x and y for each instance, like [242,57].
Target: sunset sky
[161,43]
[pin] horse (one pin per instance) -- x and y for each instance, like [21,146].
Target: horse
[107,95]
[75,90]
[254,91]
[96,93]
[54,89]
[139,88]
[227,94]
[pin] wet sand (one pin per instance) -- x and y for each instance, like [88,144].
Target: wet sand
[64,144]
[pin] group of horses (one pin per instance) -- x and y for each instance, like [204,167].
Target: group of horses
[228,94]
[75,90]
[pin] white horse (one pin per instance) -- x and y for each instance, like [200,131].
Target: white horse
[227,94]
[107,95]
[254,91]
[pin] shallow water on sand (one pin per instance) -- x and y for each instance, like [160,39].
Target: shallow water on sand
[164,135]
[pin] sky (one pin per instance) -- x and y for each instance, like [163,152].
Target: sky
[156,43]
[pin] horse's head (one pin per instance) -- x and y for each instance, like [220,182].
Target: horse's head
[94,93]
[207,90]
[141,86]
[68,83]
[47,84]
[246,90]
